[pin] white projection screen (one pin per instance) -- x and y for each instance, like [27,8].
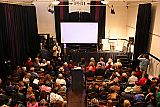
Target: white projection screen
[79,32]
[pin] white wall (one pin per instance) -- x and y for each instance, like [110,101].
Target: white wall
[155,31]
[116,23]
[131,20]
[154,49]
[45,19]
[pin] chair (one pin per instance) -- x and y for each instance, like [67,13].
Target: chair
[99,79]
[99,72]
[140,104]
[89,78]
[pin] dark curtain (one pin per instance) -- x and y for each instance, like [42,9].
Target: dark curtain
[142,29]
[61,15]
[18,33]
[74,17]
[98,14]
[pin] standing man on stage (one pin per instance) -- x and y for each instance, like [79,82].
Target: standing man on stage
[56,50]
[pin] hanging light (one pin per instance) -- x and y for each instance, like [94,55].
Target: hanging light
[55,2]
[112,10]
[104,2]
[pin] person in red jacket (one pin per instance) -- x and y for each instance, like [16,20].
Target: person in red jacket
[91,67]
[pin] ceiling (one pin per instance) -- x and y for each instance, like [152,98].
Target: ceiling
[114,2]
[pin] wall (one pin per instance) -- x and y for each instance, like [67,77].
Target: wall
[45,19]
[154,49]
[154,66]
[131,20]
[116,23]
[155,32]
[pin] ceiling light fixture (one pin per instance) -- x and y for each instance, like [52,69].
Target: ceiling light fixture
[104,2]
[55,2]
[112,10]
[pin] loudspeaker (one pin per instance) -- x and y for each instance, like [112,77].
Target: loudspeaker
[131,40]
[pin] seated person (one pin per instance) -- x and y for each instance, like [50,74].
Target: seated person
[108,65]
[143,80]
[45,87]
[109,61]
[101,63]
[127,103]
[138,72]
[118,64]
[113,95]
[32,101]
[138,98]
[60,80]
[56,99]
[48,79]
[133,79]
[91,67]
[28,63]
[151,94]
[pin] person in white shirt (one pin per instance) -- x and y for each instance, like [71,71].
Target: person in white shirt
[60,80]
[101,62]
[133,79]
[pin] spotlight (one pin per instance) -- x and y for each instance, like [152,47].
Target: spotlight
[112,10]
[104,2]
[55,2]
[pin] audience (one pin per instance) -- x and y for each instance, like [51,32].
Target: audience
[45,84]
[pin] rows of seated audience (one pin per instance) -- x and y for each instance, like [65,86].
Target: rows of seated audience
[112,85]
[41,83]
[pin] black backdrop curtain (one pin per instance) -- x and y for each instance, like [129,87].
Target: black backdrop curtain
[18,33]
[97,14]
[142,29]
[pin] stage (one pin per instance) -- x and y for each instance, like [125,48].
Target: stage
[78,54]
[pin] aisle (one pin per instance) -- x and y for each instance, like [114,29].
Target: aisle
[76,99]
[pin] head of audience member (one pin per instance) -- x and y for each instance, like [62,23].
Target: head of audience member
[32,98]
[29,60]
[118,64]
[126,103]
[109,103]
[101,59]
[36,60]
[47,77]
[59,58]
[60,76]
[133,73]
[44,61]
[32,69]
[146,76]
[110,60]
[137,68]
[91,64]
[92,60]
[99,66]
[50,68]
[124,78]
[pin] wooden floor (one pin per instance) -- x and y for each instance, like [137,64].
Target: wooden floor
[76,98]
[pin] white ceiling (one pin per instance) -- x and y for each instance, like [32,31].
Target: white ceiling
[118,2]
